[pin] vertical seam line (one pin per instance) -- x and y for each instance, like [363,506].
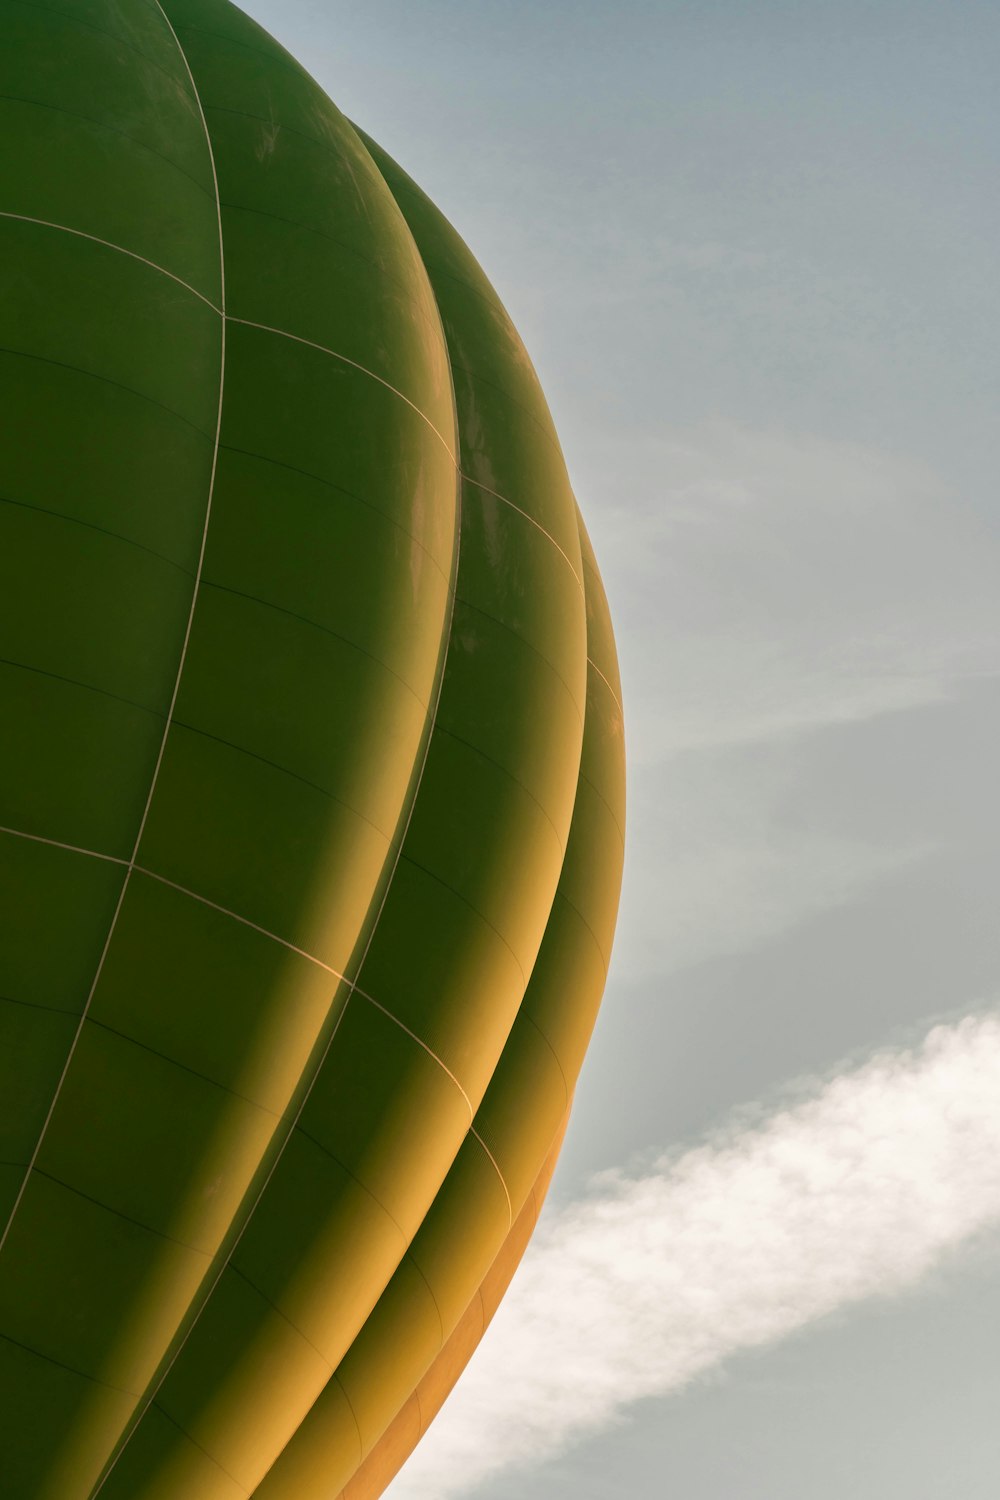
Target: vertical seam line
[177,682]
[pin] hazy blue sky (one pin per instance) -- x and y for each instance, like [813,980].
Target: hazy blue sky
[752,250]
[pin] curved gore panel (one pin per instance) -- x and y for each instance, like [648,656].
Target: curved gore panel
[426,1324]
[311,800]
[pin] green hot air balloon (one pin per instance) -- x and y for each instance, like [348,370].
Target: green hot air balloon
[311,775]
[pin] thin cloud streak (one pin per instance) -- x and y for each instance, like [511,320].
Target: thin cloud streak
[651,1281]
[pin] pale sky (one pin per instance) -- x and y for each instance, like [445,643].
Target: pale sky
[751,247]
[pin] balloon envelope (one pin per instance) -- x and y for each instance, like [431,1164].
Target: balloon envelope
[311,782]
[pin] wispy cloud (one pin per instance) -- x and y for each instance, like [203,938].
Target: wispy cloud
[854,1191]
[770,584]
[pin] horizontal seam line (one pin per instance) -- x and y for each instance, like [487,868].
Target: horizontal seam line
[412,1259]
[274,56]
[232,1266]
[316,625]
[300,1129]
[591,662]
[340,490]
[39,838]
[372,174]
[264,213]
[562,1073]
[354,365]
[244,921]
[284,771]
[501,390]
[412,191]
[74,114]
[362,1452]
[419,1041]
[529,645]
[50,1010]
[468,904]
[195,1444]
[118,1214]
[504,771]
[503,1182]
[184,1067]
[89,687]
[292,947]
[561,895]
[59,515]
[601,798]
[52,10]
[62,1365]
[61,364]
[528,517]
[96,239]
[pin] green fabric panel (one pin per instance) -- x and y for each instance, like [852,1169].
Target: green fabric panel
[42,1398]
[70,1265]
[592,886]
[506,450]
[283,847]
[237,688]
[75,764]
[600,636]
[248,72]
[223,1001]
[34,1043]
[326,1445]
[152,1141]
[390,596]
[510,571]
[51,177]
[518,1118]
[470,1218]
[568,982]
[480,864]
[38,880]
[523,1109]
[477,831]
[218,18]
[274,1374]
[488,668]
[287,276]
[110,377]
[223,822]
[108,446]
[11,1178]
[348,1228]
[506,433]
[299,407]
[398,1123]
[604,752]
[386,1369]
[55,575]
[113,317]
[388,1112]
[161,1463]
[441,967]
[127,79]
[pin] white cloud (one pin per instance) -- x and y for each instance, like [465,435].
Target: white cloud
[651,1281]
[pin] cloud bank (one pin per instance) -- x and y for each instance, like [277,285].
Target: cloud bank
[650,1281]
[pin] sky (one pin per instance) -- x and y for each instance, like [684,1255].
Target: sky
[751,248]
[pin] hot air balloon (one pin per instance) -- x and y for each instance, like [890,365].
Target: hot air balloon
[311,775]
